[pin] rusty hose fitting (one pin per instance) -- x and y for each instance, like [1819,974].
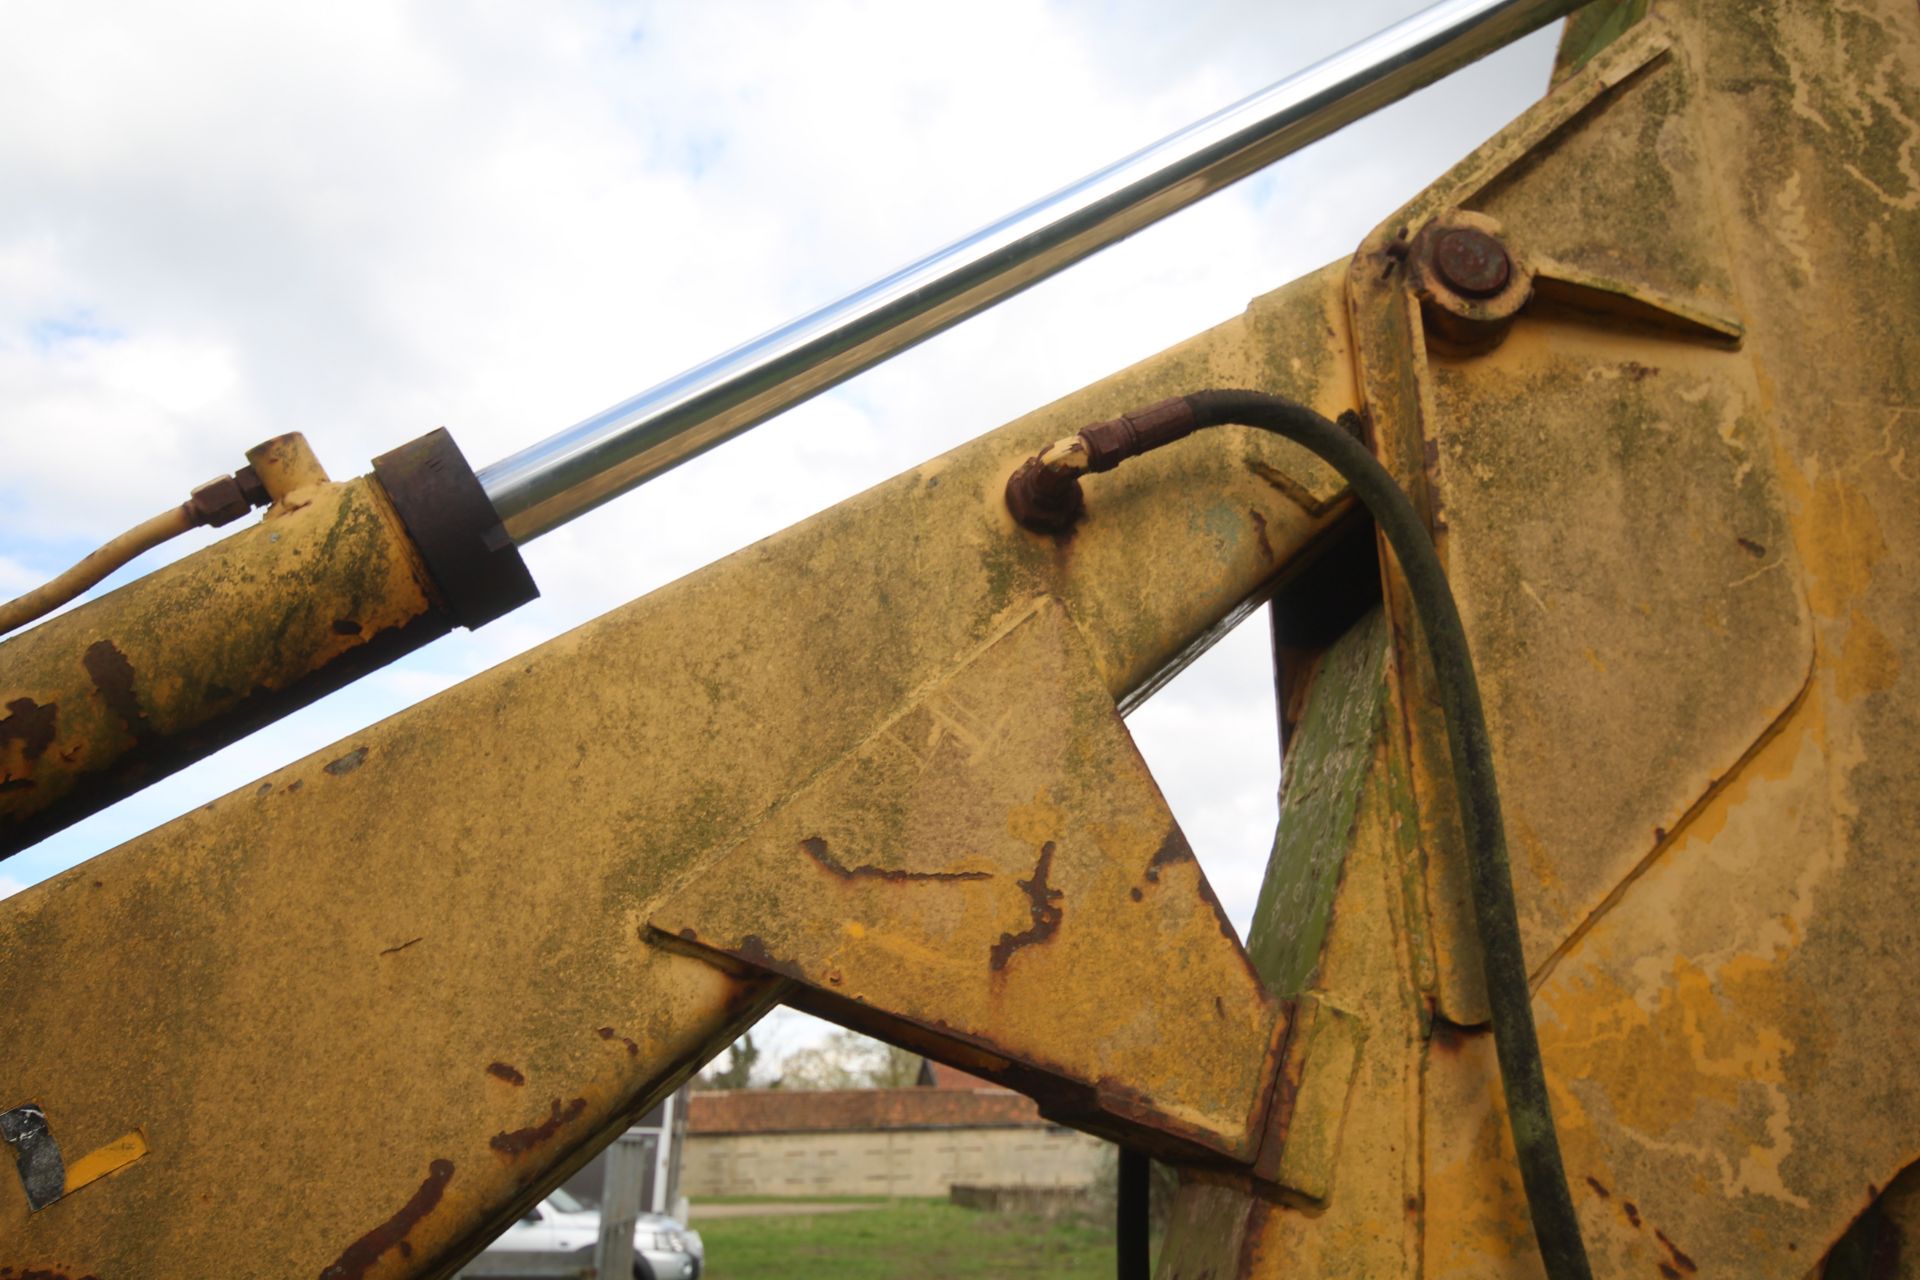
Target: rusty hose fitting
[1045,497]
[1112,442]
[1044,493]
[220,501]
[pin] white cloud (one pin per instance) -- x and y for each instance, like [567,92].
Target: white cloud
[228,220]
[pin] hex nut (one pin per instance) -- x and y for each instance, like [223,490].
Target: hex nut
[217,502]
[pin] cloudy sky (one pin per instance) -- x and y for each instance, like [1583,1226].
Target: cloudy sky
[223,221]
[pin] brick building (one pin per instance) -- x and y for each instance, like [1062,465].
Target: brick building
[953,1128]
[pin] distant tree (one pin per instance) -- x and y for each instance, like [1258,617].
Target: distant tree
[849,1060]
[897,1069]
[839,1063]
[738,1073]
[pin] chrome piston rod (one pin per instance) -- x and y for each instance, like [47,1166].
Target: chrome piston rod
[566,475]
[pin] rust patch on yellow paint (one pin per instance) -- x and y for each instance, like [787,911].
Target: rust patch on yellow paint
[1680,1259]
[520,1141]
[112,677]
[816,849]
[608,1033]
[30,724]
[1044,906]
[360,1256]
[1260,534]
[347,763]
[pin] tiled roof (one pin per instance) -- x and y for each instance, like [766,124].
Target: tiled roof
[823,1110]
[941,1076]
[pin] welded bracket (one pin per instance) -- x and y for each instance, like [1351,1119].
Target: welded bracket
[993,879]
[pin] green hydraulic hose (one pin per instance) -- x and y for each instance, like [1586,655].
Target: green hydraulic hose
[1045,494]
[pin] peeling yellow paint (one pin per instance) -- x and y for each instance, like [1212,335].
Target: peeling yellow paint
[1696,1041]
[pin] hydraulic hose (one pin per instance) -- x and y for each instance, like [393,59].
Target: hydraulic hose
[96,565]
[1045,494]
[219,501]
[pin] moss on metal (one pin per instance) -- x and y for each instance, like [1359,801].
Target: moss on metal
[1325,773]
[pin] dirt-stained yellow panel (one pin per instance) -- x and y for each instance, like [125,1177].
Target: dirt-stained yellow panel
[977,866]
[1685,569]
[406,983]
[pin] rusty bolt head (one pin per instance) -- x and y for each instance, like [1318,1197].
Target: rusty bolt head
[1045,499]
[1472,262]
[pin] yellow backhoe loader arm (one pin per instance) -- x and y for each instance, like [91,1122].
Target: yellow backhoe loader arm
[1646,364]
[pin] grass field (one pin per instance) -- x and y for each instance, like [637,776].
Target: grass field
[907,1240]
